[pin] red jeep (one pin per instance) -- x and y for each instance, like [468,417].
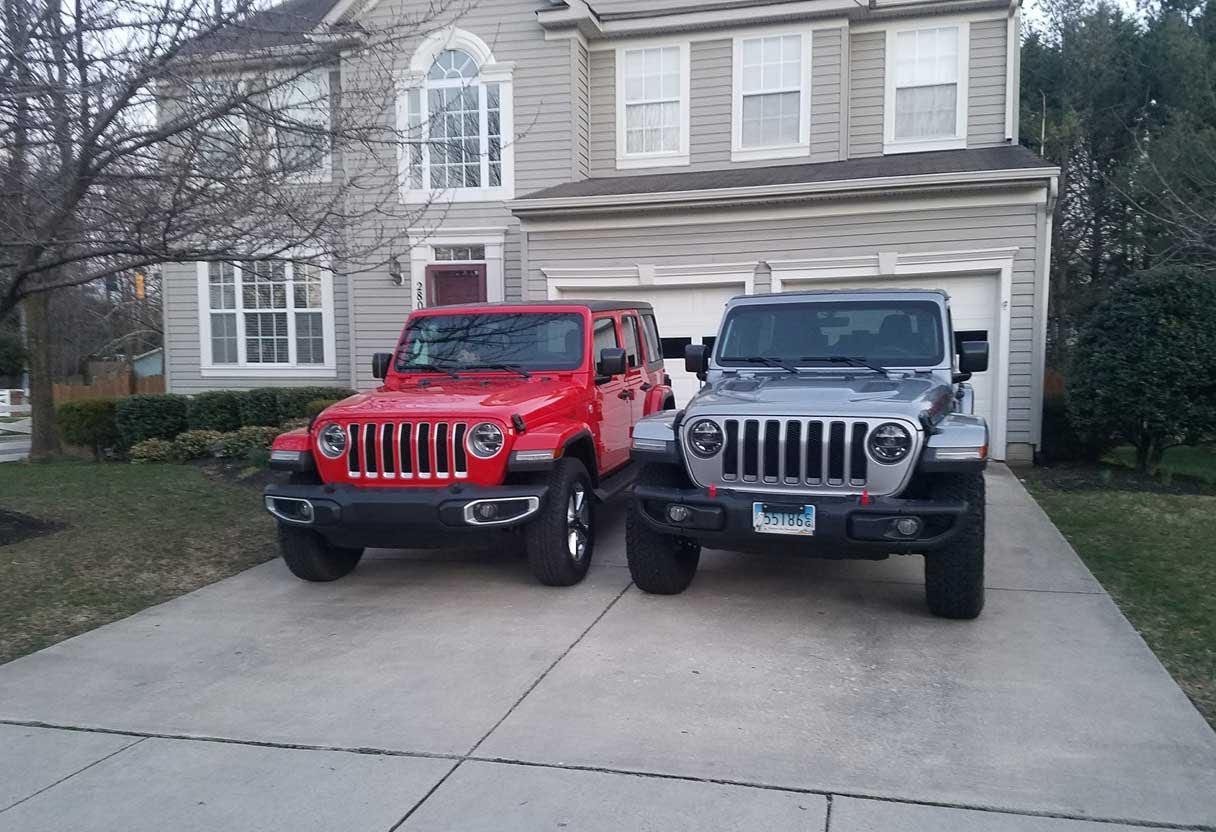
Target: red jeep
[505,419]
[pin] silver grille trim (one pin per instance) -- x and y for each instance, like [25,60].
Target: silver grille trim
[799,455]
[421,450]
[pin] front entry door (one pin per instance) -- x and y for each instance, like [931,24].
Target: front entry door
[447,285]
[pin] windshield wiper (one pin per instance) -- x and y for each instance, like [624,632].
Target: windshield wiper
[510,368]
[427,368]
[769,362]
[851,360]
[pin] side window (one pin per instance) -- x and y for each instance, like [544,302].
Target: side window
[633,341]
[654,348]
[605,336]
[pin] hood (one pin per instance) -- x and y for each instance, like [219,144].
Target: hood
[823,394]
[470,398]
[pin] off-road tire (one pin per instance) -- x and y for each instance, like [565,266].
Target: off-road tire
[548,535]
[311,558]
[954,574]
[661,564]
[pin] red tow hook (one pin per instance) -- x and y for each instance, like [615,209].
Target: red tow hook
[865,497]
[713,492]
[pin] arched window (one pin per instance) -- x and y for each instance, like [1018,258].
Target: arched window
[456,117]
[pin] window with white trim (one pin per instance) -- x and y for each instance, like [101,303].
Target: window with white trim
[456,124]
[771,93]
[926,88]
[652,106]
[266,313]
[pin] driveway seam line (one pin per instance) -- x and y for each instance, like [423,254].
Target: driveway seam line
[73,774]
[827,816]
[657,775]
[425,797]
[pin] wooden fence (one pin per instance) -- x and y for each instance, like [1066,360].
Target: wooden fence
[108,386]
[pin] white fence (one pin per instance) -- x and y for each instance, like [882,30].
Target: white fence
[14,403]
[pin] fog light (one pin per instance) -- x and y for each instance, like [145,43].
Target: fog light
[486,511]
[907,526]
[678,513]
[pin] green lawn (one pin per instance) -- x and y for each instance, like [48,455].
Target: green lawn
[1196,462]
[1153,551]
[132,536]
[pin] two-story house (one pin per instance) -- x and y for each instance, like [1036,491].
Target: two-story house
[678,152]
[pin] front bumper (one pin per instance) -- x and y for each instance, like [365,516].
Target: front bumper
[347,515]
[843,526]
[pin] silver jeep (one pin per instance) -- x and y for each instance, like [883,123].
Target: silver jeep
[834,424]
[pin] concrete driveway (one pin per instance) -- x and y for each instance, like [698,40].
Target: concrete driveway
[447,691]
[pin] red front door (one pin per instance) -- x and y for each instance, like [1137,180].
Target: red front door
[447,285]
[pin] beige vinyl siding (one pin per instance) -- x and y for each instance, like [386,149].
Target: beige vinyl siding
[986,83]
[905,228]
[826,72]
[709,124]
[867,85]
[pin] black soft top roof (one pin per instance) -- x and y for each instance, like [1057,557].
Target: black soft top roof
[593,305]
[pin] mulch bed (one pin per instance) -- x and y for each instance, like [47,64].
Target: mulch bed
[15,526]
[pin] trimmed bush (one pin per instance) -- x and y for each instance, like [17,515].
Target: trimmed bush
[1061,441]
[197,444]
[217,410]
[259,406]
[257,436]
[153,450]
[294,401]
[294,424]
[316,406]
[1143,371]
[89,423]
[150,416]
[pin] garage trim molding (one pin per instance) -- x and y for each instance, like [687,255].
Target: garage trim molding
[887,265]
[560,280]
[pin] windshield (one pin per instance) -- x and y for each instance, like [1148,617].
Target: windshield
[885,333]
[528,341]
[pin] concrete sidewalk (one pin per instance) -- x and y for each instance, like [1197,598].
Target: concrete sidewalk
[448,691]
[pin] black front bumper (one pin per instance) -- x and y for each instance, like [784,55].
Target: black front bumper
[396,517]
[843,526]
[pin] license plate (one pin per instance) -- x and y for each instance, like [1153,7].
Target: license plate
[770,518]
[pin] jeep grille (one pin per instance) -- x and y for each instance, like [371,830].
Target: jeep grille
[407,450]
[816,455]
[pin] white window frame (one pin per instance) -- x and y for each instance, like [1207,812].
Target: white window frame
[959,139]
[415,79]
[246,369]
[324,172]
[626,160]
[740,153]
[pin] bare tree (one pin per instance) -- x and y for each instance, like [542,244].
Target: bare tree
[138,132]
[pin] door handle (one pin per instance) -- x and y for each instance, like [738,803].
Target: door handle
[646,385]
[625,394]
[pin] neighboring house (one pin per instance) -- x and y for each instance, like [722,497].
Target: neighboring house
[676,152]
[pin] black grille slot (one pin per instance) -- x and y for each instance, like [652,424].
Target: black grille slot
[424,449]
[772,450]
[751,448]
[404,442]
[389,461]
[441,449]
[458,449]
[793,451]
[814,451]
[730,454]
[352,449]
[857,453]
[836,452]
[370,466]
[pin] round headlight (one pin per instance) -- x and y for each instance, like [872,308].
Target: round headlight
[705,438]
[889,443]
[332,441]
[485,440]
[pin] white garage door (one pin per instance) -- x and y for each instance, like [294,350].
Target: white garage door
[974,307]
[685,314]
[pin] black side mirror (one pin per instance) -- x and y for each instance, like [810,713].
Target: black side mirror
[380,362]
[611,363]
[973,356]
[696,359]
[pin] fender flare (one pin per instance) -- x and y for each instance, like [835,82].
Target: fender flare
[656,397]
[553,436]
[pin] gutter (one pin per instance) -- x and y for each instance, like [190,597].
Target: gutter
[525,206]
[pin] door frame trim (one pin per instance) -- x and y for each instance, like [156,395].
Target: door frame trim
[432,269]
[422,254]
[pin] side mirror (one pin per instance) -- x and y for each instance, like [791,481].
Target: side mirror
[696,359]
[611,363]
[380,362]
[973,356]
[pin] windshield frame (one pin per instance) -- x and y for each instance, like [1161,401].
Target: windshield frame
[943,358]
[444,367]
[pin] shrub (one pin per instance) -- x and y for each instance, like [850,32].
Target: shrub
[293,424]
[218,410]
[1142,371]
[150,416]
[294,401]
[1061,441]
[197,444]
[259,406]
[314,408]
[258,436]
[89,423]
[153,450]
[230,446]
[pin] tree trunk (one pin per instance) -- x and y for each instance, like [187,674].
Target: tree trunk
[44,436]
